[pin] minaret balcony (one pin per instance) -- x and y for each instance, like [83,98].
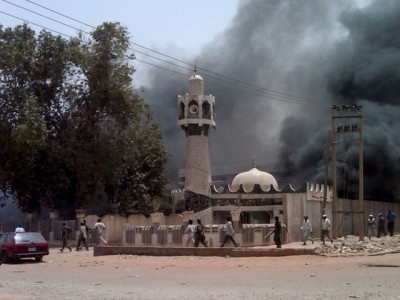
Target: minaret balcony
[200,122]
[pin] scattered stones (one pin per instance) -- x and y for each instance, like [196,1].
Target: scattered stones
[351,245]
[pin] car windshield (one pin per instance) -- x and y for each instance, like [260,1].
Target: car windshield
[27,237]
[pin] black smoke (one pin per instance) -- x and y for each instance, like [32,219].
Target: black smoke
[323,52]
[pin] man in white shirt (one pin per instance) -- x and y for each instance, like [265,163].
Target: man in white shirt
[99,227]
[325,227]
[229,233]
[190,229]
[307,227]
[19,229]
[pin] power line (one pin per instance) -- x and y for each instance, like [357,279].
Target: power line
[30,22]
[229,79]
[39,14]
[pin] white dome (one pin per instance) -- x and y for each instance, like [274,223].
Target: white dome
[254,176]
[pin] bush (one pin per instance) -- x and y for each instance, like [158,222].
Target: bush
[166,208]
[180,207]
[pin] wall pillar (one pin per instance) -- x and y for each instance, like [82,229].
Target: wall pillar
[157,219]
[188,215]
[53,219]
[29,217]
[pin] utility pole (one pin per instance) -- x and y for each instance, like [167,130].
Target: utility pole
[335,219]
[346,112]
[327,158]
[361,176]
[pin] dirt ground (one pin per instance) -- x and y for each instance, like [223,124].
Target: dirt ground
[80,275]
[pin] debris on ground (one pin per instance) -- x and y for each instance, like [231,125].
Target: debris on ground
[351,245]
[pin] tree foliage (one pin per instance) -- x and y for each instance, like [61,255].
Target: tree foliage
[71,122]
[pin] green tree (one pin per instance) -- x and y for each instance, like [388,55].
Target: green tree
[72,122]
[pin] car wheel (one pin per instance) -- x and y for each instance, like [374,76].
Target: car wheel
[39,258]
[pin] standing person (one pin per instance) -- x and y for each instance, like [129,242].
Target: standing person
[64,235]
[229,232]
[371,224]
[307,227]
[277,233]
[390,217]
[82,237]
[381,225]
[199,234]
[325,227]
[19,228]
[100,228]
[87,231]
[190,229]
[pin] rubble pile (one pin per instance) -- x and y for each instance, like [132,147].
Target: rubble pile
[351,245]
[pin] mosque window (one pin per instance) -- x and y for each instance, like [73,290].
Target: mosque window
[181,111]
[244,217]
[206,110]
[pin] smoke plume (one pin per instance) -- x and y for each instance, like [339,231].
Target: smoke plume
[321,52]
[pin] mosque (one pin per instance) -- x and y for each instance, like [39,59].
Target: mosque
[253,196]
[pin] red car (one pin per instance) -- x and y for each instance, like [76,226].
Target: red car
[23,245]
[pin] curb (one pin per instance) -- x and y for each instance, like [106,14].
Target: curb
[191,251]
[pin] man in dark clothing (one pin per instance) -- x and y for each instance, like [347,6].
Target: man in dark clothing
[381,225]
[64,235]
[277,233]
[390,217]
[199,234]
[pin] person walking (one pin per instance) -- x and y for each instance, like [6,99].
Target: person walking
[381,225]
[190,230]
[390,217]
[325,227]
[307,228]
[229,233]
[199,234]
[82,237]
[100,227]
[277,233]
[371,224]
[64,236]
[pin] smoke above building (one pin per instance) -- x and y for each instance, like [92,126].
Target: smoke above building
[297,58]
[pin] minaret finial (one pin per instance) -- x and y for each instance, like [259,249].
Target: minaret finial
[254,161]
[195,69]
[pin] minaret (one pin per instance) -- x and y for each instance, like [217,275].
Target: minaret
[196,116]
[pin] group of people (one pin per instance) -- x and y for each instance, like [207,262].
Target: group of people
[371,224]
[308,232]
[196,234]
[380,224]
[84,230]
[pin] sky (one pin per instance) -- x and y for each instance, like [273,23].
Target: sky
[275,68]
[157,24]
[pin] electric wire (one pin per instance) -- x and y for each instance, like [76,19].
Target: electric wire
[227,83]
[269,92]
[259,91]
[254,90]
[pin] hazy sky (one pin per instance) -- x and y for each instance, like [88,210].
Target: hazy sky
[291,60]
[168,26]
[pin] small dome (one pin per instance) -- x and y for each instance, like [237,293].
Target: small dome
[196,85]
[254,176]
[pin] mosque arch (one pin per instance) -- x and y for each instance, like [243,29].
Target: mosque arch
[181,111]
[206,108]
